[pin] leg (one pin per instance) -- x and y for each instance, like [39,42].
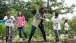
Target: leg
[56,34]
[43,32]
[24,31]
[67,32]
[19,29]
[7,33]
[32,32]
[11,33]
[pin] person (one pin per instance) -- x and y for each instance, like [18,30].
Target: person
[38,22]
[20,24]
[66,26]
[9,23]
[56,26]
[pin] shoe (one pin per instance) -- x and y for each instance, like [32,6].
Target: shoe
[20,39]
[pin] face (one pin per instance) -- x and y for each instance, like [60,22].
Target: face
[8,14]
[43,10]
[20,13]
[67,21]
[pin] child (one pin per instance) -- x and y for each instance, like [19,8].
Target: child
[66,26]
[20,24]
[8,19]
[56,26]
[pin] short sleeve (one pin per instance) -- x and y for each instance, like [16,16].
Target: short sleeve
[5,18]
[13,17]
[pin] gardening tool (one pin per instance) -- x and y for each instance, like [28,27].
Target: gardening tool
[57,31]
[9,33]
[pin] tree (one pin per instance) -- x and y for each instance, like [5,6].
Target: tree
[19,5]
[33,5]
[3,9]
[73,25]
[61,7]
[51,6]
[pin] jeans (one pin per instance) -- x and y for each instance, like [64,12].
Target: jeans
[67,32]
[33,30]
[7,32]
[57,35]
[21,28]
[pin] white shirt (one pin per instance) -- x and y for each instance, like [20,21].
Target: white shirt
[56,26]
[9,22]
[66,26]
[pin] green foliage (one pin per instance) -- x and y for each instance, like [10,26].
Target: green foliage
[3,9]
[14,12]
[20,6]
[2,29]
[29,9]
[73,25]
[34,4]
[27,14]
[59,7]
[28,26]
[62,27]
[49,25]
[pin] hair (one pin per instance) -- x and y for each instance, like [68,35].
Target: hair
[56,14]
[40,9]
[65,21]
[21,14]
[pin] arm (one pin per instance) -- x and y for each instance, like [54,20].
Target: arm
[24,20]
[58,21]
[54,22]
[41,18]
[17,22]
[67,26]
[5,18]
[38,16]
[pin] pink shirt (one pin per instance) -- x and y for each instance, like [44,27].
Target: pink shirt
[20,21]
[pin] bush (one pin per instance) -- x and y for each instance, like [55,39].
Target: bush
[2,29]
[73,25]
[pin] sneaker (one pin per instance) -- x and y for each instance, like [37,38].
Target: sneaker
[20,39]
